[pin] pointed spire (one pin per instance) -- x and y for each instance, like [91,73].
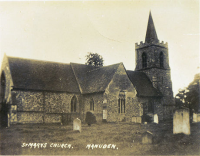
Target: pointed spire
[151,31]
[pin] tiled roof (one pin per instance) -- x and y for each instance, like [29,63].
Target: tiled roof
[74,78]
[42,75]
[95,80]
[142,84]
[51,76]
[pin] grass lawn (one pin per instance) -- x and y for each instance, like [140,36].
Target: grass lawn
[125,136]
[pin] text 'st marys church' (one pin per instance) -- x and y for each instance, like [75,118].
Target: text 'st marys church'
[34,91]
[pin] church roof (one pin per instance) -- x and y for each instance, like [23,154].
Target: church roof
[151,31]
[142,84]
[42,75]
[74,78]
[95,80]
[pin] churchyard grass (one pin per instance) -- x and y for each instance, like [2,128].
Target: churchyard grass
[126,137]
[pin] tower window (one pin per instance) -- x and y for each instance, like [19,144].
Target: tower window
[161,60]
[121,102]
[92,104]
[144,60]
[73,104]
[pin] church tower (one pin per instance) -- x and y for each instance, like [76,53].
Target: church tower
[152,58]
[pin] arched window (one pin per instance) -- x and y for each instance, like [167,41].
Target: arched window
[3,87]
[144,60]
[161,60]
[121,102]
[73,104]
[91,104]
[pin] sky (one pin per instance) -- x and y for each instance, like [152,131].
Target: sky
[65,31]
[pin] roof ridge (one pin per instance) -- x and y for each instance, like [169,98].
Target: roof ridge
[28,59]
[80,89]
[78,63]
[104,67]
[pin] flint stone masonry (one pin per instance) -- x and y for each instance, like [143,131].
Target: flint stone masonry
[30,117]
[132,107]
[52,118]
[13,117]
[98,109]
[28,101]
[41,107]
[59,102]
[153,54]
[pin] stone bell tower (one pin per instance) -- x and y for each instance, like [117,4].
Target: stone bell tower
[152,58]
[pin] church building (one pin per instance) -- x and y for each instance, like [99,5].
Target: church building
[34,91]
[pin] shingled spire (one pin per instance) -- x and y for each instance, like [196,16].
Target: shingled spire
[151,35]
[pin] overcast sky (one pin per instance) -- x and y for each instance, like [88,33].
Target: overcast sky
[66,31]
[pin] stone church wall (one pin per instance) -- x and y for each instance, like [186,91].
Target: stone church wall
[29,117]
[57,104]
[163,80]
[160,76]
[153,56]
[41,107]
[52,118]
[133,107]
[98,105]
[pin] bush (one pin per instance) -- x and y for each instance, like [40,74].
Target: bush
[146,118]
[90,118]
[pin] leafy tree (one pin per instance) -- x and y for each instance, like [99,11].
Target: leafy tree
[94,59]
[179,98]
[189,97]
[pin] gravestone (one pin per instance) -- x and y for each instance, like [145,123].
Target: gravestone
[147,138]
[77,125]
[155,118]
[134,119]
[195,119]
[198,117]
[8,125]
[181,122]
[137,119]
[105,114]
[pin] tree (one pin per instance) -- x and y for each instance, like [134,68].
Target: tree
[94,59]
[189,97]
[179,98]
